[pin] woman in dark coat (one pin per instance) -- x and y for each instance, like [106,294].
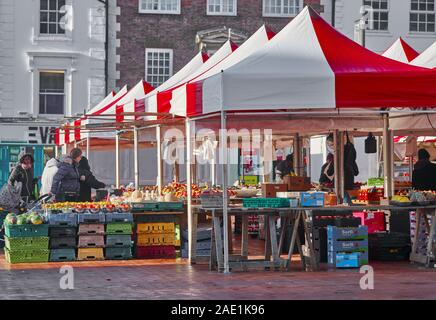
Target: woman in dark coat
[350,166]
[66,185]
[327,171]
[87,181]
[23,173]
[424,172]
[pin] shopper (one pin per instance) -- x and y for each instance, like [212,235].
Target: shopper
[87,180]
[23,173]
[66,184]
[76,155]
[327,171]
[424,172]
[286,167]
[351,169]
[50,169]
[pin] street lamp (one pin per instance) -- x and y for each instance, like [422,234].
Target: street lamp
[360,25]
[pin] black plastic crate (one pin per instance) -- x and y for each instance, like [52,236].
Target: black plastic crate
[59,255]
[347,222]
[63,243]
[61,232]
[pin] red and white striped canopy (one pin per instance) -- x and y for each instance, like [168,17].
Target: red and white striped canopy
[149,103]
[402,139]
[310,65]
[427,58]
[401,51]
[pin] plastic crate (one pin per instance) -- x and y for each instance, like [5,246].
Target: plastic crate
[199,253]
[123,253]
[170,206]
[144,218]
[211,200]
[27,243]
[143,206]
[145,239]
[90,254]
[163,227]
[59,255]
[61,232]
[63,243]
[118,240]
[92,228]
[202,234]
[26,230]
[26,256]
[266,202]
[119,228]
[156,252]
[119,217]
[63,219]
[91,241]
[91,218]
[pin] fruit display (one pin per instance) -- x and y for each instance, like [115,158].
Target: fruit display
[401,198]
[84,207]
[25,218]
[422,197]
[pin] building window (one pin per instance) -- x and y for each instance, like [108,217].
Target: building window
[51,92]
[422,16]
[221,7]
[51,14]
[158,66]
[281,8]
[380,14]
[159,6]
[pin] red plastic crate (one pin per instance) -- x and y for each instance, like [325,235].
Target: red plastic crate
[376,221]
[156,252]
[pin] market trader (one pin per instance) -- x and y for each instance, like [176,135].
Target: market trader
[286,166]
[424,172]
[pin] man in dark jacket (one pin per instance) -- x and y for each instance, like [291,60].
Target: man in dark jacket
[66,185]
[23,173]
[87,181]
[286,166]
[424,172]
[350,165]
[327,170]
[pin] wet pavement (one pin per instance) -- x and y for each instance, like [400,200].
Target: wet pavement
[176,279]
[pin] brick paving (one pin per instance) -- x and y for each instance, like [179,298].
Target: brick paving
[176,279]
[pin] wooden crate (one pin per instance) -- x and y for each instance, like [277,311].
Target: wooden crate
[90,254]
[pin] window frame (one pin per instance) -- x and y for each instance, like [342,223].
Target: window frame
[282,15]
[140,10]
[221,13]
[418,12]
[158,50]
[379,21]
[64,94]
[48,34]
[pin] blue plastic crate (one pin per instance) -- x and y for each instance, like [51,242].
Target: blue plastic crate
[363,256]
[200,253]
[337,233]
[312,199]
[345,245]
[91,218]
[348,260]
[201,245]
[59,255]
[119,217]
[62,219]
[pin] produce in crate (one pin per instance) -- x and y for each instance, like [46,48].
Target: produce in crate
[11,218]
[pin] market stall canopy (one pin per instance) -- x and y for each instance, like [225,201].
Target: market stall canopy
[310,65]
[163,98]
[256,41]
[427,58]
[68,136]
[402,139]
[401,51]
[149,102]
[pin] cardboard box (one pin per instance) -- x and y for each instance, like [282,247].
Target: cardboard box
[330,199]
[269,190]
[375,221]
[363,256]
[348,260]
[348,245]
[312,199]
[296,183]
[335,233]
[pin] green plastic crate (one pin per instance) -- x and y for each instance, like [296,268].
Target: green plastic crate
[266,202]
[26,256]
[26,243]
[119,228]
[26,230]
[118,253]
[170,206]
[143,206]
[58,255]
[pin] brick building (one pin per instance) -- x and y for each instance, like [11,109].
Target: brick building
[158,37]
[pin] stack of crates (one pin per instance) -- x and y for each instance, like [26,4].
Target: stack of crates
[347,247]
[155,240]
[63,236]
[119,236]
[2,231]
[204,243]
[91,236]
[26,243]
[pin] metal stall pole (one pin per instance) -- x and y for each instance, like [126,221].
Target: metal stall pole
[392,161]
[136,156]
[336,164]
[159,159]
[117,160]
[191,253]
[224,167]
[341,166]
[297,151]
[386,157]
[88,145]
[56,151]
